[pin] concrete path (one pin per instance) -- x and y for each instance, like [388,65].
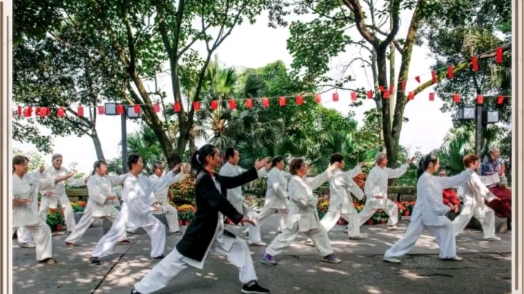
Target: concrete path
[486,267]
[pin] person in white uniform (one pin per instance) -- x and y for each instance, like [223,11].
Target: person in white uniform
[341,187]
[303,214]
[22,234]
[376,191]
[25,191]
[474,194]
[136,211]
[430,212]
[235,197]
[101,197]
[276,193]
[58,195]
[160,201]
[206,232]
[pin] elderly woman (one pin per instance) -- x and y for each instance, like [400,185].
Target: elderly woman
[303,215]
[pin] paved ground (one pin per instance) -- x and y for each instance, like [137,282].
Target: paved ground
[485,269]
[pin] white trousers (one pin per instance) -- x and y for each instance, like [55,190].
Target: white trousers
[487,222]
[319,237]
[86,221]
[267,211]
[24,236]
[171,217]
[444,236]
[154,228]
[174,263]
[391,210]
[51,202]
[41,233]
[331,218]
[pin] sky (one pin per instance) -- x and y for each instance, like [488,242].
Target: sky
[253,46]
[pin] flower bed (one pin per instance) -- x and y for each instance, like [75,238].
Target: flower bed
[183,192]
[186,213]
[55,219]
[78,206]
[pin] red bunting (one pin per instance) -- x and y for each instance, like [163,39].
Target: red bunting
[177,107]
[299,100]
[474,63]
[354,96]
[196,105]
[335,97]
[431,96]
[42,111]
[370,94]
[101,110]
[417,78]
[480,99]
[232,103]
[28,111]
[265,102]
[282,101]
[411,95]
[434,77]
[137,108]
[318,99]
[403,85]
[391,89]
[80,111]
[450,71]
[156,107]
[37,111]
[60,112]
[19,110]
[498,55]
[456,98]
[385,95]
[119,109]
[500,99]
[249,103]
[381,88]
[214,104]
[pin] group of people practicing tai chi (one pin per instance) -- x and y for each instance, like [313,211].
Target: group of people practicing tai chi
[219,196]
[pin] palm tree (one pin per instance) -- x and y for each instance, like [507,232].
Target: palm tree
[457,143]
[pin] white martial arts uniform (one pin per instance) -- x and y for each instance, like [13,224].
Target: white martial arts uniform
[430,212]
[276,197]
[136,212]
[341,186]
[235,197]
[160,197]
[22,233]
[24,215]
[303,216]
[377,185]
[59,195]
[474,193]
[235,250]
[99,188]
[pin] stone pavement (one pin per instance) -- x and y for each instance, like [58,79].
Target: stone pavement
[486,267]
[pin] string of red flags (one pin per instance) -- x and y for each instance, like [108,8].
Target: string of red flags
[282,101]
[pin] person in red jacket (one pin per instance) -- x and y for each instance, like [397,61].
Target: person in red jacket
[449,196]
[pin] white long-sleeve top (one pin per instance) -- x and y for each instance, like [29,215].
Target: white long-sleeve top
[59,189]
[136,192]
[341,186]
[429,205]
[276,193]
[27,187]
[475,191]
[99,188]
[377,184]
[303,203]
[160,195]
[235,195]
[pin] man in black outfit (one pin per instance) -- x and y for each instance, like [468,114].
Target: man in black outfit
[206,231]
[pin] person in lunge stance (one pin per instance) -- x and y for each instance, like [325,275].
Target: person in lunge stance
[100,204]
[430,211]
[136,211]
[206,231]
[303,215]
[25,191]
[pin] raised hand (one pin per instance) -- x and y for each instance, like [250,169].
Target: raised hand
[186,168]
[362,164]
[268,166]
[410,161]
[42,168]
[260,163]
[249,221]
[71,174]
[176,167]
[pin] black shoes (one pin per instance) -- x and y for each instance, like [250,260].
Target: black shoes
[159,257]
[94,260]
[135,291]
[254,289]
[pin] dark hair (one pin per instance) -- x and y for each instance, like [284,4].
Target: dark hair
[19,159]
[468,159]
[276,160]
[173,160]
[157,163]
[97,164]
[132,159]
[198,159]
[336,157]
[230,152]
[295,165]
[424,162]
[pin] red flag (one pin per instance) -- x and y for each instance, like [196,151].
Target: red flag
[456,98]
[381,88]
[403,85]
[214,104]
[19,110]
[411,95]
[474,63]
[101,110]
[500,99]
[450,71]
[434,77]
[318,99]
[60,112]
[431,96]
[119,109]
[370,94]
[37,111]
[265,102]
[354,96]
[282,101]
[480,99]
[232,103]
[156,107]
[249,103]
[176,107]
[137,108]
[385,94]
[417,78]
[498,56]
[80,111]
[299,100]
[196,105]
[28,111]
[335,97]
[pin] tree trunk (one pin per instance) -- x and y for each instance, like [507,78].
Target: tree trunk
[386,122]
[98,145]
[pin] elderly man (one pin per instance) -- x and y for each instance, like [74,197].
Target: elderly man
[493,165]
[376,191]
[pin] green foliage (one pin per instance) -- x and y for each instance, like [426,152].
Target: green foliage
[36,159]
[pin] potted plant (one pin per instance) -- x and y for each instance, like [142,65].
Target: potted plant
[185,213]
[183,192]
[55,219]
